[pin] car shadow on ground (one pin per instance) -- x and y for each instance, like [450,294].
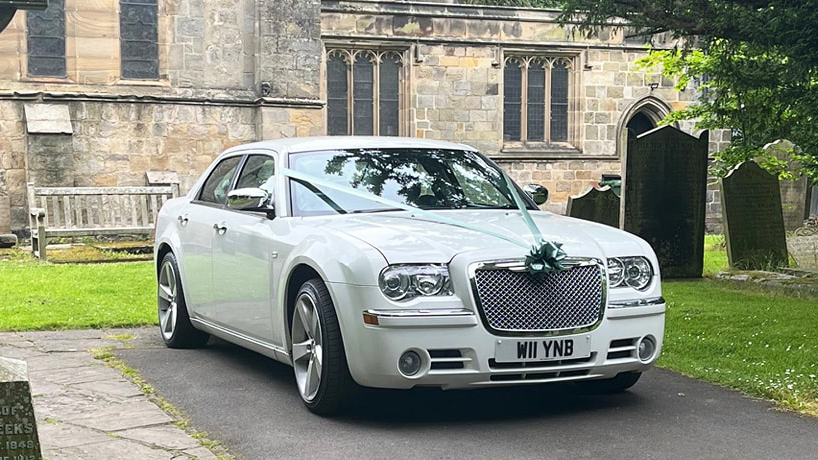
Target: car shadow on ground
[424,405]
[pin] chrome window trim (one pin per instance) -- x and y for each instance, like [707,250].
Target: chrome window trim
[518,265]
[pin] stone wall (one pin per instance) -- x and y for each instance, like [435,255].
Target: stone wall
[456,83]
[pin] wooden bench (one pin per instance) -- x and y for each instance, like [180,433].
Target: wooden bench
[93,211]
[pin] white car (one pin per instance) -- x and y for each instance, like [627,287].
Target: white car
[396,263]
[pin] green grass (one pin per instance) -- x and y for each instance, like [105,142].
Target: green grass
[761,344]
[38,296]
[715,255]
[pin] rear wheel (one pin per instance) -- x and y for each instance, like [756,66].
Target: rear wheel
[617,384]
[317,351]
[174,322]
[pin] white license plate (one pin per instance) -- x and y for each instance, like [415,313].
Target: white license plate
[518,351]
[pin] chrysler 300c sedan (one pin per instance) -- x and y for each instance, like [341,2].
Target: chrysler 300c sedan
[395,263]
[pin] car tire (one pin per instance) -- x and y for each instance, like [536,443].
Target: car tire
[174,323]
[617,384]
[317,351]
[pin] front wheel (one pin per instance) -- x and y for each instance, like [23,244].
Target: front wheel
[617,384]
[174,322]
[317,352]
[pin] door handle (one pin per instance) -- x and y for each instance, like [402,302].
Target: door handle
[220,228]
[182,219]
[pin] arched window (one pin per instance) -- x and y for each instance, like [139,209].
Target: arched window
[363,92]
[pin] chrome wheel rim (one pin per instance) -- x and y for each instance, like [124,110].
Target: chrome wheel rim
[307,351]
[168,300]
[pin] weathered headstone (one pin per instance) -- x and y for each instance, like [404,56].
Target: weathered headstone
[18,428]
[597,205]
[753,223]
[663,191]
[803,247]
[795,192]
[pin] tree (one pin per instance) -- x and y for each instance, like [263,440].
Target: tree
[755,62]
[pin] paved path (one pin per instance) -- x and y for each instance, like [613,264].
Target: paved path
[251,404]
[86,410]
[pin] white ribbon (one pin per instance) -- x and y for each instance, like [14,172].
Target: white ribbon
[299,176]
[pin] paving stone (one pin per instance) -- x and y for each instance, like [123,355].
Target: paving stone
[118,449]
[74,375]
[200,453]
[115,417]
[165,436]
[46,361]
[61,435]
[120,388]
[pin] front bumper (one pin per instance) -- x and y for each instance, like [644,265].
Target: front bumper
[458,352]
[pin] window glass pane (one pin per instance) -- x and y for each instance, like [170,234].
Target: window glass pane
[388,92]
[258,173]
[46,40]
[559,102]
[536,102]
[363,96]
[337,110]
[424,178]
[512,95]
[217,184]
[138,39]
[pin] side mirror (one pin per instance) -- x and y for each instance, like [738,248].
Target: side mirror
[537,192]
[251,199]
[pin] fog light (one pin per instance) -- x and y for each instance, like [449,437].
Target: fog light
[409,363]
[647,347]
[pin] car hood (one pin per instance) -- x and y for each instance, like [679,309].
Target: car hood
[406,238]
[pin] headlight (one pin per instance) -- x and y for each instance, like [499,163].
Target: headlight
[402,282]
[634,272]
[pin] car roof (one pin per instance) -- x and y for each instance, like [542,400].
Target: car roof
[310,144]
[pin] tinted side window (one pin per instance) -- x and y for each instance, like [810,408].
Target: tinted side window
[258,173]
[218,184]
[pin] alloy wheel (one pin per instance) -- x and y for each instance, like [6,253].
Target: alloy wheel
[307,350]
[168,298]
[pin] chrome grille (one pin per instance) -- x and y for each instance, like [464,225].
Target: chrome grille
[515,301]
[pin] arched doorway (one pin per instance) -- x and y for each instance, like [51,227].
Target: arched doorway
[642,116]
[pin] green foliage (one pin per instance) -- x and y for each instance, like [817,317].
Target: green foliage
[754,62]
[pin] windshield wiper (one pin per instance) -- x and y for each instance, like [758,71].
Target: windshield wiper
[489,206]
[367,211]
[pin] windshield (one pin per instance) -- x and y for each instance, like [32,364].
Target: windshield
[424,178]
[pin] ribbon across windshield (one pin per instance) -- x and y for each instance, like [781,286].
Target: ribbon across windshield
[419,181]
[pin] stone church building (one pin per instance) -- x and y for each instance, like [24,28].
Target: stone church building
[100,92]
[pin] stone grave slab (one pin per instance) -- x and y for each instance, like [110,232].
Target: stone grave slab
[663,197]
[597,205]
[803,247]
[794,192]
[18,428]
[753,223]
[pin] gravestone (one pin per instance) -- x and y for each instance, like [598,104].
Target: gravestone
[663,191]
[794,192]
[18,428]
[753,223]
[803,247]
[597,205]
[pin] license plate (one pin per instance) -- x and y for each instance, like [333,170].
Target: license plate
[518,351]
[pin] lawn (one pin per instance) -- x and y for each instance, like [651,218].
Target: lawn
[37,296]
